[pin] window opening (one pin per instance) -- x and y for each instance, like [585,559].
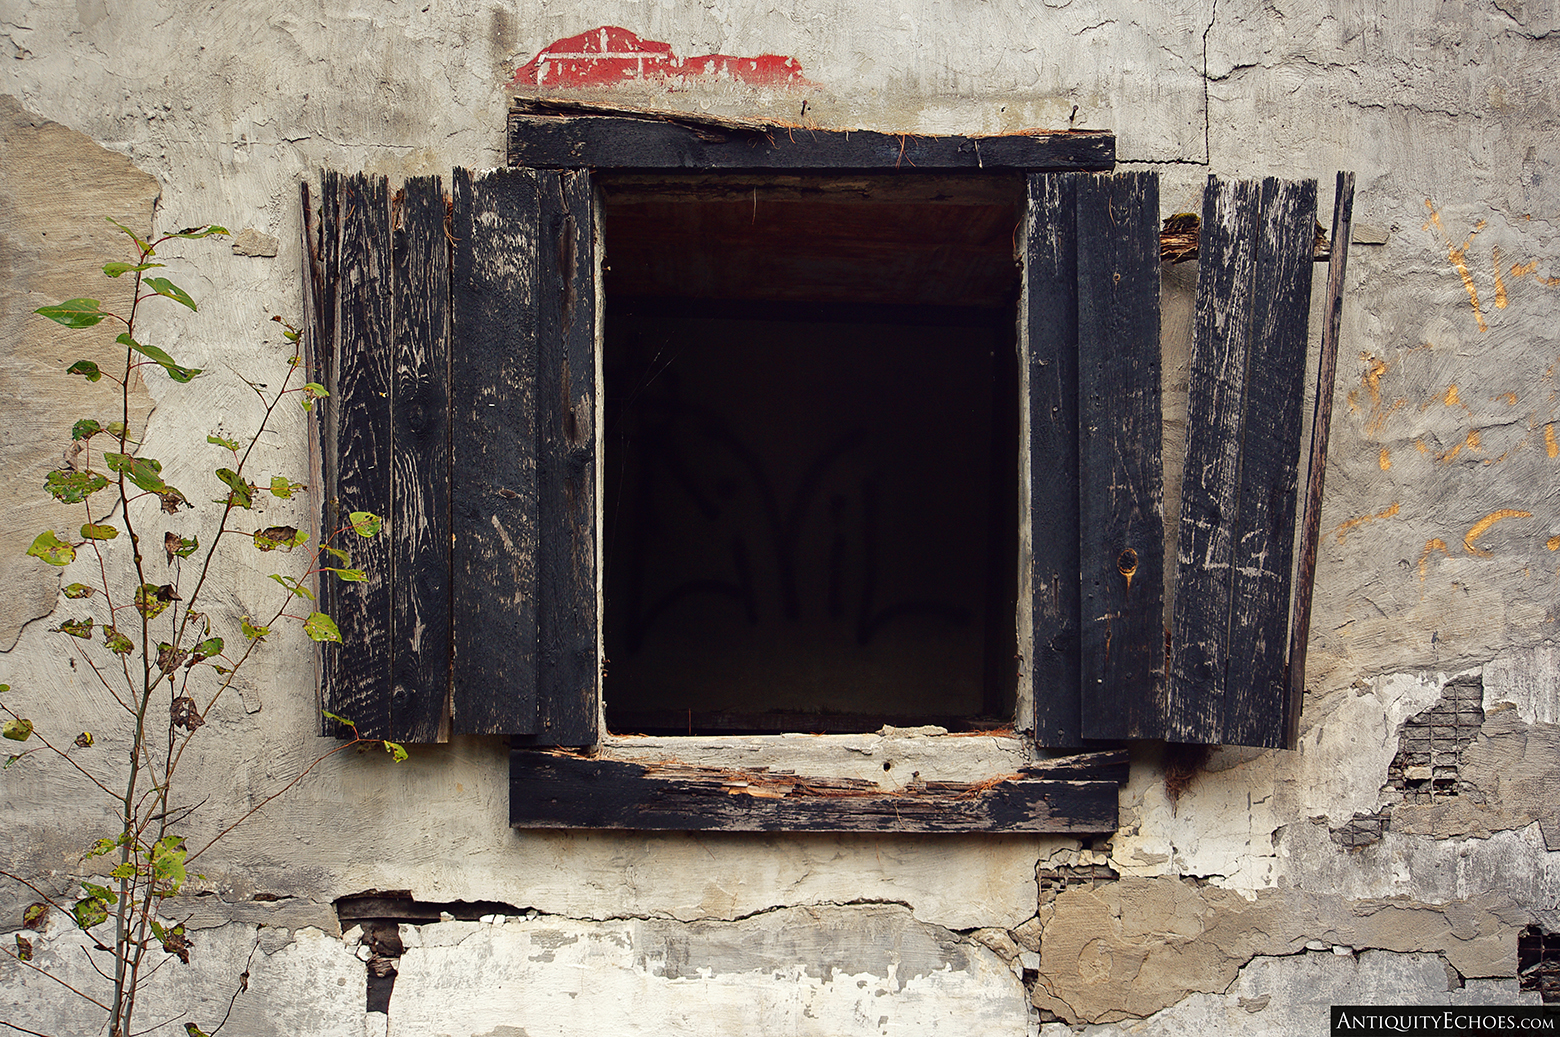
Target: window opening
[811,452]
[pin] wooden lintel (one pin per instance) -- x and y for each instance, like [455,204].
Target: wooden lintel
[548,135]
[557,790]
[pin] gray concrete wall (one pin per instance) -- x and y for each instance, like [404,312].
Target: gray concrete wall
[1271,885]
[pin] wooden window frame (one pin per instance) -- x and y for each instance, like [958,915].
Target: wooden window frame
[454,647]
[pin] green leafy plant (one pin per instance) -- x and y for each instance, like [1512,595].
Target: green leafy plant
[142,630]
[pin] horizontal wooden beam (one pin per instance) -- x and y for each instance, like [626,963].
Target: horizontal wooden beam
[646,142]
[559,790]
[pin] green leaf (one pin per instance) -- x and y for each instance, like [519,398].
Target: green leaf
[115,269]
[350,575]
[343,721]
[397,751]
[145,472]
[231,444]
[145,248]
[164,287]
[180,547]
[339,554]
[86,428]
[151,600]
[116,429]
[116,642]
[312,391]
[79,590]
[206,649]
[168,865]
[243,492]
[103,846]
[284,537]
[73,487]
[204,231]
[16,729]
[124,871]
[252,632]
[321,627]
[84,740]
[366,524]
[175,371]
[34,915]
[52,549]
[86,368]
[191,1030]
[74,313]
[295,586]
[284,488]
[81,628]
[98,531]
[89,912]
[97,892]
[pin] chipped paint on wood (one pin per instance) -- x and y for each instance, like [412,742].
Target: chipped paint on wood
[611,55]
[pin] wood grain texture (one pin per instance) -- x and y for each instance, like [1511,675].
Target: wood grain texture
[362,365]
[1121,552]
[1263,544]
[567,623]
[561,791]
[420,520]
[1221,333]
[621,142]
[1051,322]
[493,451]
[1316,470]
[1237,497]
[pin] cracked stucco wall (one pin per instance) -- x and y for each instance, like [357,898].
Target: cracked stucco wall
[1233,909]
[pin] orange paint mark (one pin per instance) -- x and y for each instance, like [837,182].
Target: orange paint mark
[1522,270]
[1345,528]
[1419,445]
[1451,396]
[1457,255]
[1386,459]
[1482,526]
[1376,423]
[1508,398]
[1431,546]
[1374,369]
[1500,286]
[1473,439]
[1551,447]
[1553,544]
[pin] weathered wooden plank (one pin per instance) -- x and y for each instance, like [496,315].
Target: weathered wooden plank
[1221,336]
[1121,556]
[1262,551]
[567,668]
[1316,470]
[1051,323]
[560,791]
[493,451]
[420,521]
[362,365]
[620,142]
[313,348]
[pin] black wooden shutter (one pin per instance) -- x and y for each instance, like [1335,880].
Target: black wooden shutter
[456,336]
[1096,531]
[1233,576]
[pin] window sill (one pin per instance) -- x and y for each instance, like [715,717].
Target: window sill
[898,780]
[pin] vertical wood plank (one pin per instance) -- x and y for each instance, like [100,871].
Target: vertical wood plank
[1263,546]
[1051,325]
[312,347]
[567,669]
[493,451]
[363,364]
[1120,491]
[325,258]
[1316,470]
[420,521]
[1221,336]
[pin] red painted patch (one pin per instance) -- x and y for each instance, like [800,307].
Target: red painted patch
[611,55]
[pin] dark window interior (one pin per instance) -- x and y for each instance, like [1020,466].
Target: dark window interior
[811,452]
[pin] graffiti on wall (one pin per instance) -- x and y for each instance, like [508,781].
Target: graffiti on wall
[611,55]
